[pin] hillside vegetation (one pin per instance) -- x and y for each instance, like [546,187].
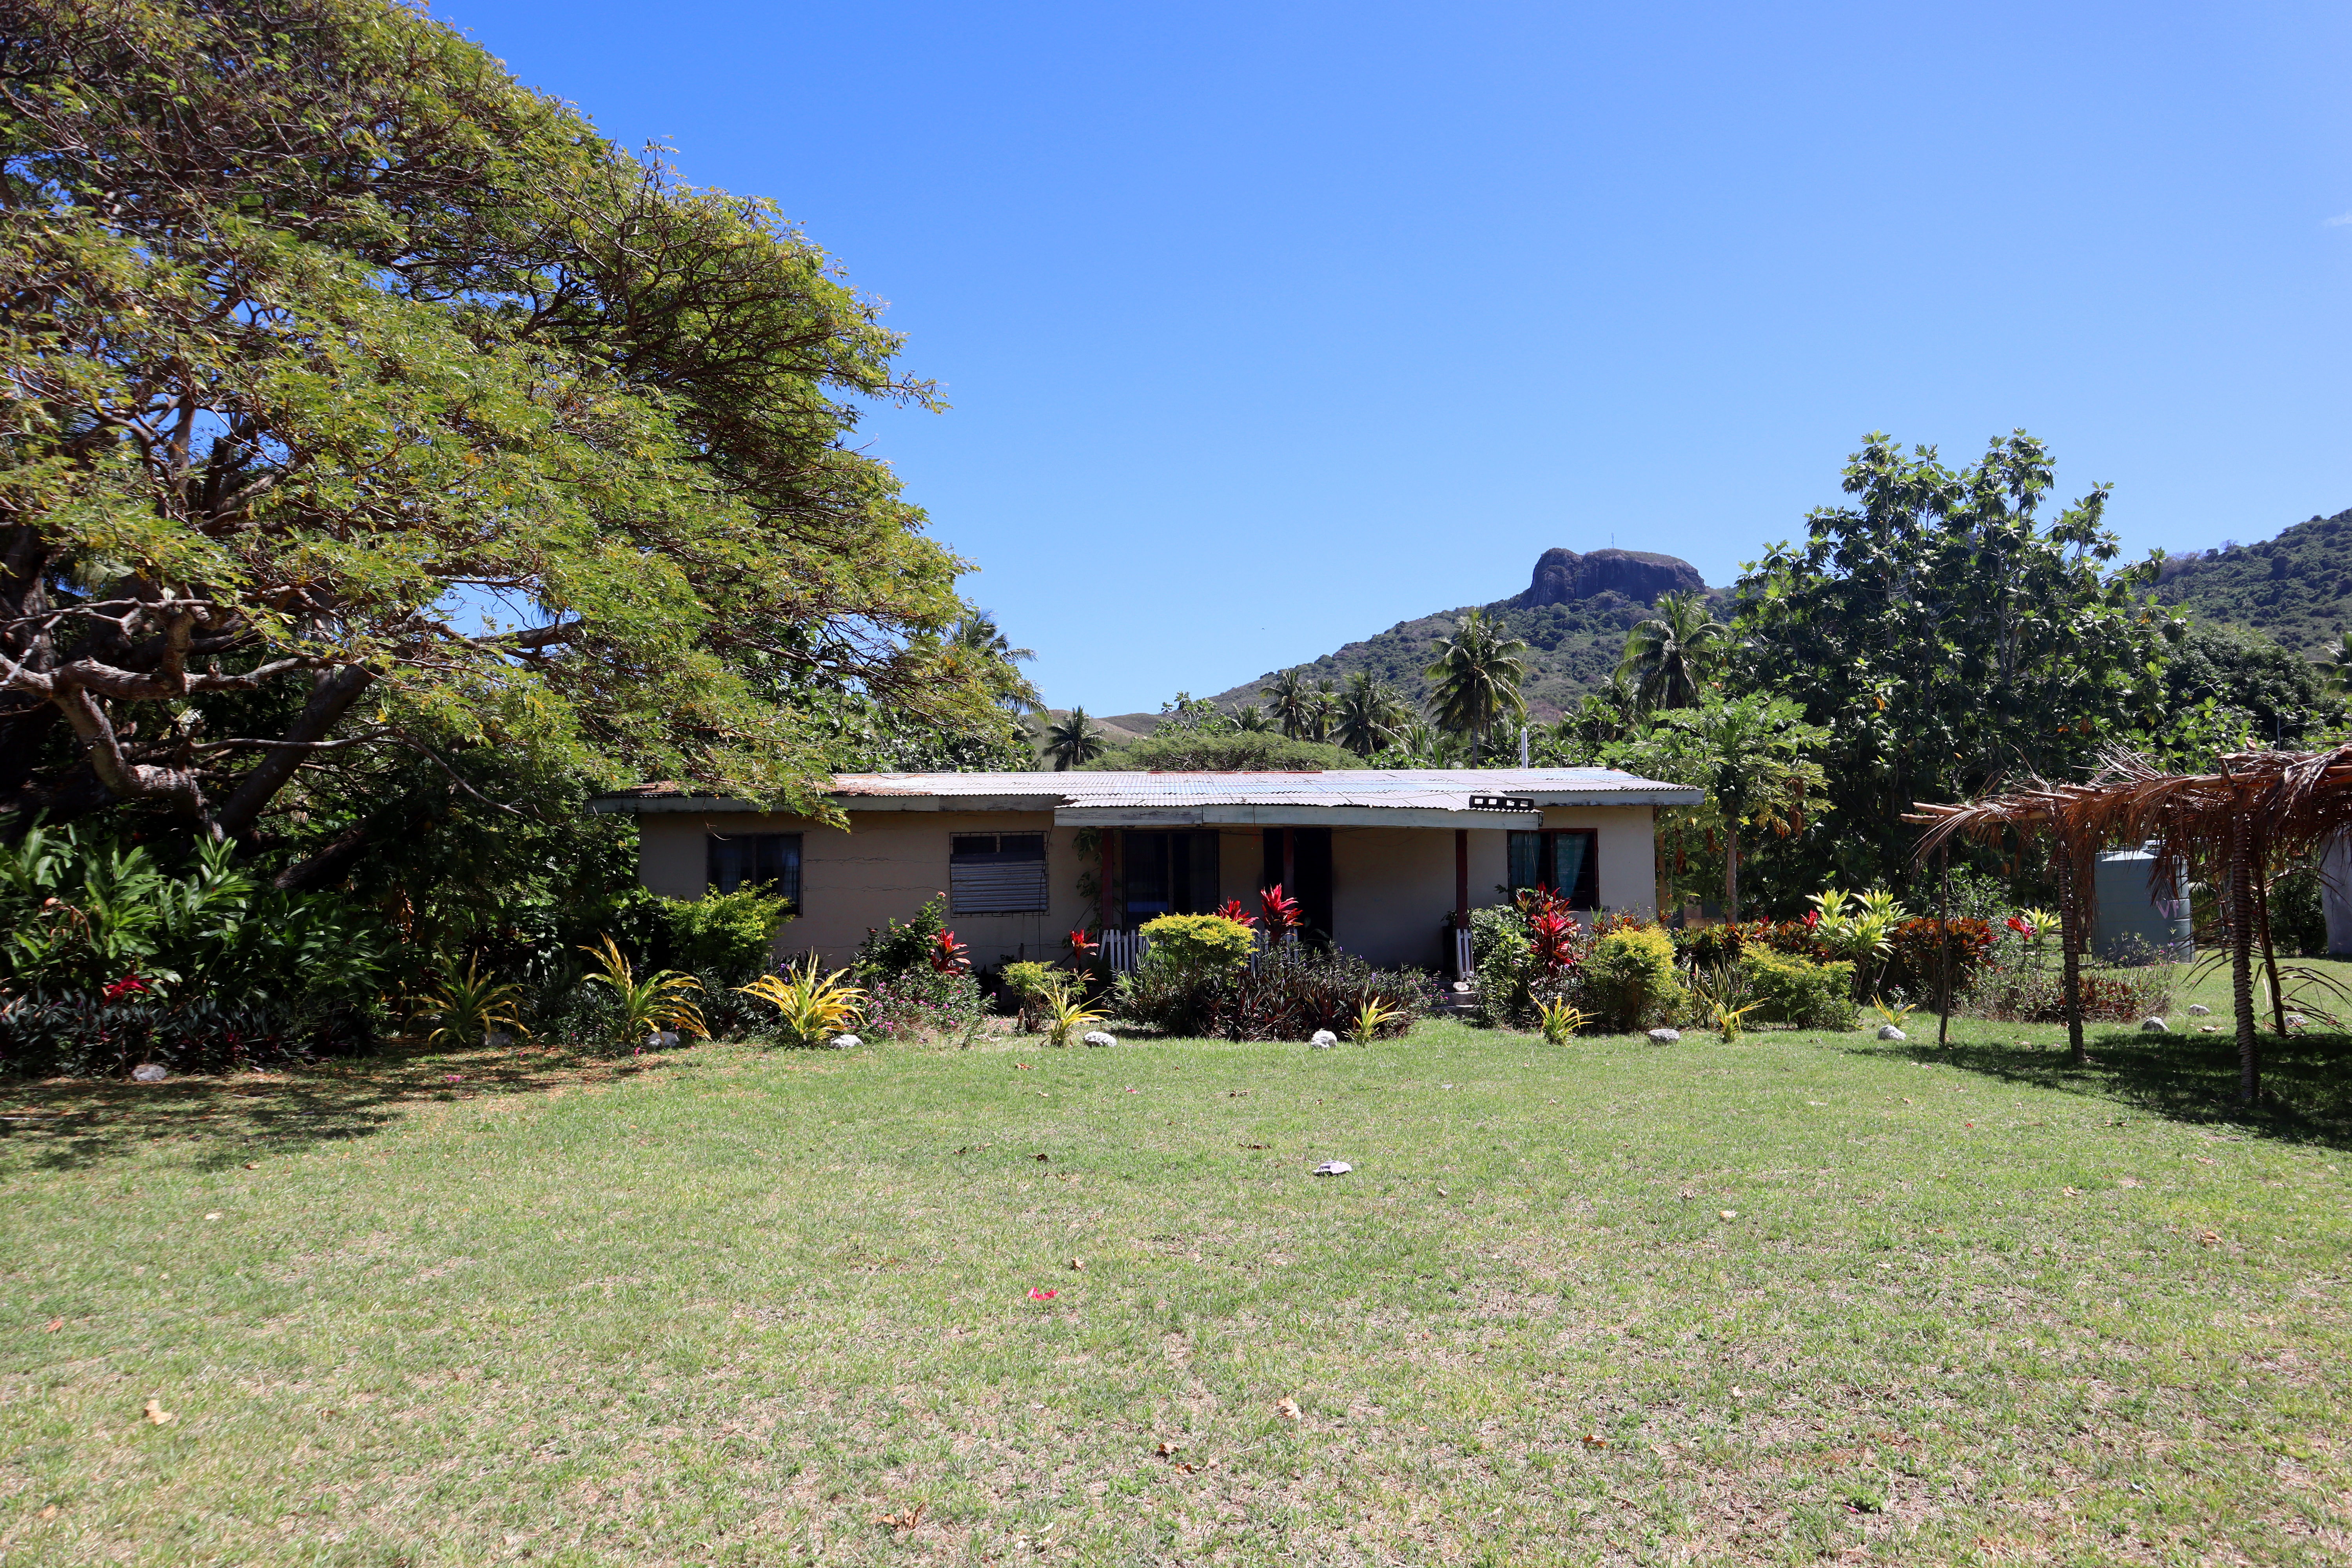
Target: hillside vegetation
[2298,587]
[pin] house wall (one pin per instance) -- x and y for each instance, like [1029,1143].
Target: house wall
[882,869]
[1628,846]
[1391,885]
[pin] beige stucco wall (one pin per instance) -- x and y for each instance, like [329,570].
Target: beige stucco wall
[881,869]
[1390,886]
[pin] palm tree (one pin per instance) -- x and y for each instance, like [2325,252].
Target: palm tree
[1370,714]
[1668,654]
[1476,676]
[1251,719]
[976,634]
[1291,701]
[2337,666]
[1322,712]
[1075,740]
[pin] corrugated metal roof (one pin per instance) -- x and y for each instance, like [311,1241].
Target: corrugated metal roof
[1355,791]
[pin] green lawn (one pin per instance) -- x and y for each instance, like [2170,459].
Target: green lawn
[1801,1296]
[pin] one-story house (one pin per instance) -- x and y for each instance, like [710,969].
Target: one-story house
[1386,863]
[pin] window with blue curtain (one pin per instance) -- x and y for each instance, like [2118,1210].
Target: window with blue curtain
[1566,860]
[752,859]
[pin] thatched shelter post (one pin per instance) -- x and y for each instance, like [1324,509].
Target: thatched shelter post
[2070,944]
[1944,924]
[2242,951]
[2269,953]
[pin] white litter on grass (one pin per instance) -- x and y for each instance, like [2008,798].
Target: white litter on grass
[1889,1032]
[149,1072]
[1333,1168]
[1096,1037]
[1322,1039]
[846,1042]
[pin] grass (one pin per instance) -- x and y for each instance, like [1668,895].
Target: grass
[1800,1297]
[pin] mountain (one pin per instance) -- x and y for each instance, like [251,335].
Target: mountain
[2298,586]
[1574,615]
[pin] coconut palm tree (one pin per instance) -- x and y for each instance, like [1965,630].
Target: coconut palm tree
[1370,714]
[976,635]
[2337,664]
[1075,740]
[1668,655]
[1251,719]
[1476,679]
[1323,711]
[1291,701]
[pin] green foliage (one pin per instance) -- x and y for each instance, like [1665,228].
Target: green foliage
[1073,741]
[1371,715]
[811,1008]
[724,933]
[1198,944]
[1237,750]
[414,334]
[642,1004]
[83,914]
[1066,1013]
[1798,992]
[899,948]
[2296,587]
[1948,638]
[469,1005]
[1559,1021]
[2228,688]
[1031,979]
[1669,656]
[1630,977]
[1475,678]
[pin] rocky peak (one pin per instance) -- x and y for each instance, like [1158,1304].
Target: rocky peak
[1563,576]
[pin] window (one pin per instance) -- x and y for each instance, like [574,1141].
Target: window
[748,859]
[996,873]
[1567,861]
[1167,873]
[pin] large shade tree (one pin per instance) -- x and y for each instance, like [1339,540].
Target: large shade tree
[356,398]
[1947,634]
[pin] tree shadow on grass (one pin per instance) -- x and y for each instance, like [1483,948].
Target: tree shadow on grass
[64,1124]
[2306,1079]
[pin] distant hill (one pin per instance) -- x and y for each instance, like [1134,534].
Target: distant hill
[2298,587]
[1574,615]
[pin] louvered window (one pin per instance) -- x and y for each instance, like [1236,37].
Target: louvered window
[997,873]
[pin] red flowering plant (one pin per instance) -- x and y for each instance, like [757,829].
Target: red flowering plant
[128,986]
[1554,933]
[950,956]
[1232,909]
[1082,947]
[1282,914]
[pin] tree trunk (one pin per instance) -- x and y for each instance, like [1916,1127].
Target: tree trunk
[2070,944]
[1943,920]
[2335,894]
[331,695]
[2241,954]
[1731,873]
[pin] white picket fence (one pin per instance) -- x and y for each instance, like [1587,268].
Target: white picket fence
[1463,967]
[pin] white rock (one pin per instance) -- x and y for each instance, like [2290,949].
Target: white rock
[1096,1037]
[2199,1010]
[1665,1036]
[1464,987]
[846,1042]
[1322,1039]
[2153,1027]
[150,1072]
[2297,1020]
[1333,1168]
[497,1039]
[1889,1032]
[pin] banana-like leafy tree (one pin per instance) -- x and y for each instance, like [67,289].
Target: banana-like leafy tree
[358,398]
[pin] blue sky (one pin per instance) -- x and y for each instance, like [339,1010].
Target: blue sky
[1267,326]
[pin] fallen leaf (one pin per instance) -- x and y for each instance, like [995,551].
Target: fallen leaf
[2071,1191]
[2127,1181]
[1441,1192]
[1684,1195]
[252,1165]
[1044,1156]
[1187,1467]
[1287,1408]
[2210,1237]
[212,1215]
[51,1512]
[1595,1440]
[1731,1213]
[53,1325]
[1168,1448]
[1736,1394]
[1077,1263]
[157,1414]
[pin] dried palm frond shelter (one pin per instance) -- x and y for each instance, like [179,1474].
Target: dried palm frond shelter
[2229,828]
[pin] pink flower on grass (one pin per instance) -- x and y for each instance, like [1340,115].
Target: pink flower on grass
[1037,1295]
